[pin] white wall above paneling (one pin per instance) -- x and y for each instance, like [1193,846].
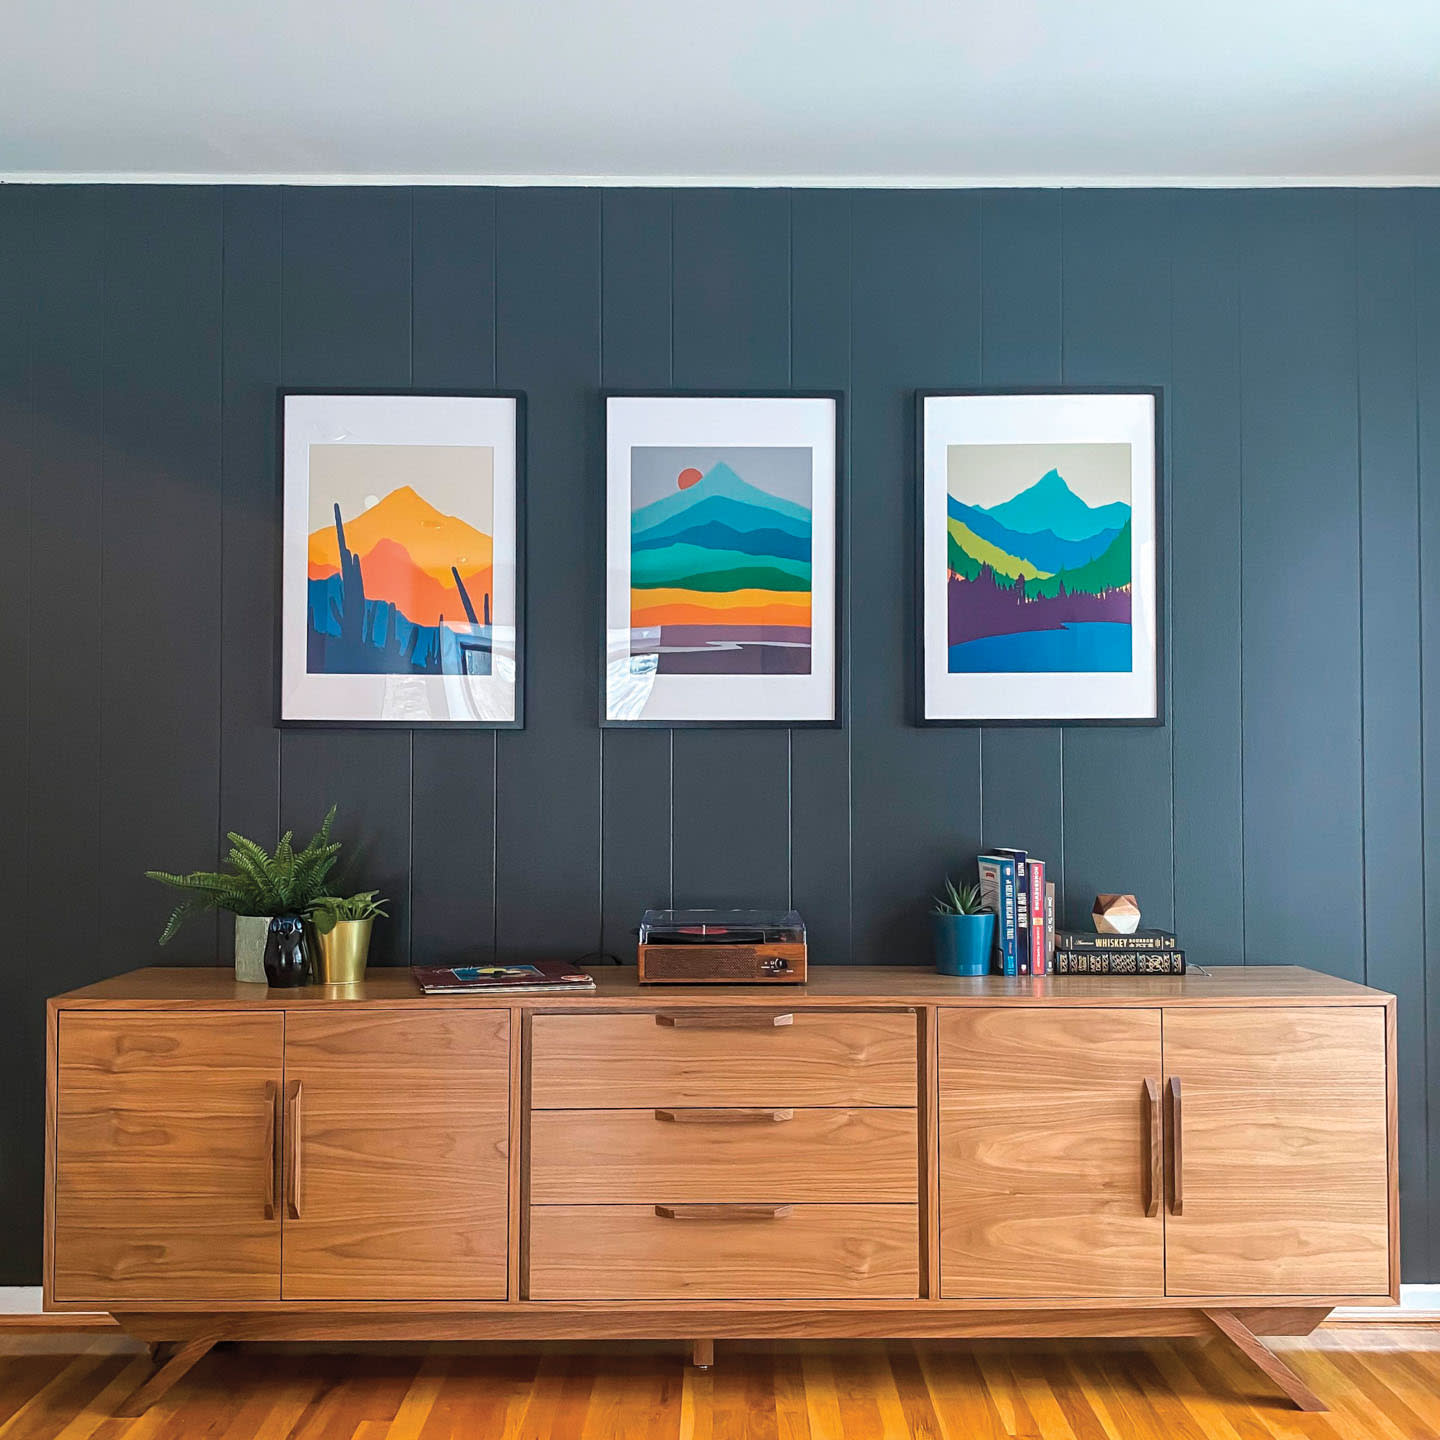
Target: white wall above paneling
[812,92]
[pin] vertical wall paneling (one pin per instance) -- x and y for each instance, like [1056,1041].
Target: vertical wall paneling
[159,673]
[732,331]
[916,324]
[636,813]
[250,519]
[1206,525]
[346,322]
[820,853]
[548,775]
[1020,300]
[1118,809]
[1390,657]
[20,1068]
[1426,218]
[1291,801]
[452,852]
[1300,552]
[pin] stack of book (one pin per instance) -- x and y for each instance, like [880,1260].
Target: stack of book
[1014,887]
[1146,952]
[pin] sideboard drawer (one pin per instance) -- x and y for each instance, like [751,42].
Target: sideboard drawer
[629,1252]
[580,1157]
[753,1056]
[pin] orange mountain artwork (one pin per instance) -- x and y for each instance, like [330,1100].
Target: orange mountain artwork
[400,588]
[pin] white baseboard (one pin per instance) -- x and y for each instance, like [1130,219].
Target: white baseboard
[1417,1302]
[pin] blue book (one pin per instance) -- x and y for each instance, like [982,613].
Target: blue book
[997,893]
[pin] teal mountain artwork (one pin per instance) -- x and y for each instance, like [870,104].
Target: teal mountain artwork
[1040,583]
[720,579]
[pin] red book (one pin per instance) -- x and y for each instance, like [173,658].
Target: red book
[1036,877]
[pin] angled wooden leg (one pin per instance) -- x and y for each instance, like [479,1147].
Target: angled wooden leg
[172,1363]
[702,1354]
[1264,1358]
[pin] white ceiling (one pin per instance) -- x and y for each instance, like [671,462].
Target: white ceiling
[802,91]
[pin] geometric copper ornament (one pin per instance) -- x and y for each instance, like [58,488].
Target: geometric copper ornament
[1116,914]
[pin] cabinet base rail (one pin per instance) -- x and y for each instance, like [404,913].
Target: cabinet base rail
[180,1339]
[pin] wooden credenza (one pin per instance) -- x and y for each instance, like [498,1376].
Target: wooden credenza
[880,1152]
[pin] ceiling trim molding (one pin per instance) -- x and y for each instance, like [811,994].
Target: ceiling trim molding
[746,182]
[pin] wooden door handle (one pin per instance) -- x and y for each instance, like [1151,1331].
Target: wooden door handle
[1153,1178]
[723,1212]
[724,1019]
[1177,1157]
[725,1117]
[292,1149]
[272,1132]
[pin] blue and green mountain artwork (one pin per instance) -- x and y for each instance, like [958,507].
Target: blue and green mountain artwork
[1038,583]
[720,577]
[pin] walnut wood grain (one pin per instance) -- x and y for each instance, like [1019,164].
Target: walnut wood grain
[1285,1162]
[627,1252]
[294,1142]
[729,1319]
[839,986]
[1176,1129]
[614,1060]
[272,1132]
[404,1136]
[1265,1359]
[1041,1158]
[162,1166]
[628,1156]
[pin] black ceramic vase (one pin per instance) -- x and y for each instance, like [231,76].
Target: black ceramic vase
[287,955]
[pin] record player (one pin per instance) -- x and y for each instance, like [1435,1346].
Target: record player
[722,947]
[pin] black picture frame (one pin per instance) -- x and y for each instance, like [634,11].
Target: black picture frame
[522,647]
[840,691]
[917,698]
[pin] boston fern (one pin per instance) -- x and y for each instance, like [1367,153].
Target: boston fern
[257,883]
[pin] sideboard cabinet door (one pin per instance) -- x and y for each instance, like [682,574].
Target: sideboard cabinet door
[1050,1153]
[1279,1149]
[165,1129]
[396,1154]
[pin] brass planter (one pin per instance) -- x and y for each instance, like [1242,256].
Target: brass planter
[341,954]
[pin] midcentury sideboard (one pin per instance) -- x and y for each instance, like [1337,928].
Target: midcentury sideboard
[882,1152]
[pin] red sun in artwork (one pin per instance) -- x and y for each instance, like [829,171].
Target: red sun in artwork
[689,477]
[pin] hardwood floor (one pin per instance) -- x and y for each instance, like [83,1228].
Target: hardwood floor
[1381,1384]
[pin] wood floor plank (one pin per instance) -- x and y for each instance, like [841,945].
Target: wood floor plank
[1382,1383]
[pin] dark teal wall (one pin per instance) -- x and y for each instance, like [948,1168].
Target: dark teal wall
[1281,815]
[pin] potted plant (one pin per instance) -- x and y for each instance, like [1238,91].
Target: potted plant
[343,930]
[257,888]
[964,931]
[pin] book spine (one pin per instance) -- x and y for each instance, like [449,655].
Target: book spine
[1010,952]
[992,900]
[1084,940]
[1021,860]
[1036,870]
[1049,927]
[1126,962]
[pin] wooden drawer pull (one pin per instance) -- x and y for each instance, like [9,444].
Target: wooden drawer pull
[272,1163]
[723,1212]
[725,1117]
[1153,1178]
[292,1147]
[1177,1159]
[724,1019]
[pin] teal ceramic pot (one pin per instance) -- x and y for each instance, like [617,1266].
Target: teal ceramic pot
[963,943]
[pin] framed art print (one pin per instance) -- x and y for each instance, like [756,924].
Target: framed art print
[1039,571]
[721,546]
[401,573]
